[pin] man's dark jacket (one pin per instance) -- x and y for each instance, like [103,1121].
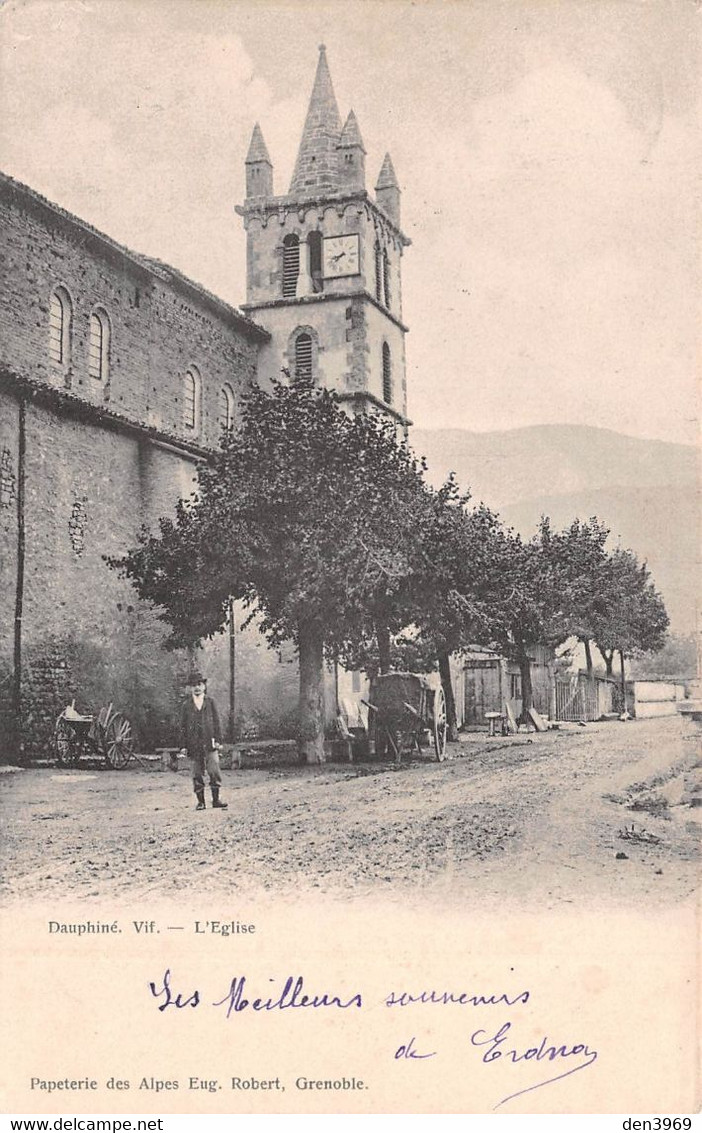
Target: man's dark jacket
[199,729]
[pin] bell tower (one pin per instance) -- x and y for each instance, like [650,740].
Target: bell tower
[323,272]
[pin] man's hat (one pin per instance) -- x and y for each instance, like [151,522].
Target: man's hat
[195,677]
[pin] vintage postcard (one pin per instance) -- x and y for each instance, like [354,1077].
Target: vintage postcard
[345,786]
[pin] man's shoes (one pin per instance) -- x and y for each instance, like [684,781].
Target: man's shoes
[217,803]
[200,800]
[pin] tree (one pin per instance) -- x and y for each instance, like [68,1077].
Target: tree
[442,599]
[306,514]
[633,619]
[579,561]
[523,608]
[545,587]
[565,584]
[454,592]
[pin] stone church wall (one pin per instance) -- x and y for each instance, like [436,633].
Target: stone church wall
[160,324]
[94,475]
[9,434]
[84,633]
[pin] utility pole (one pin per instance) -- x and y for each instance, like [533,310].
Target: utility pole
[232,673]
[19,591]
[621,664]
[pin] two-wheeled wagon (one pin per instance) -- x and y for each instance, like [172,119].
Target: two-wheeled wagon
[407,711]
[108,735]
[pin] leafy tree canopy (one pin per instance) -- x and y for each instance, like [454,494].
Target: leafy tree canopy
[306,514]
[634,618]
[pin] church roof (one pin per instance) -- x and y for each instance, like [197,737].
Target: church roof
[93,238]
[317,161]
[351,135]
[387,178]
[258,151]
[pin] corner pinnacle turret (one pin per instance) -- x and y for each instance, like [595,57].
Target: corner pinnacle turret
[258,150]
[352,155]
[259,167]
[387,190]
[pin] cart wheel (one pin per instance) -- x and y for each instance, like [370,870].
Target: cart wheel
[118,741]
[439,724]
[67,746]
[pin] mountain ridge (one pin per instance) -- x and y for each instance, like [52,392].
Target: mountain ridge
[645,491]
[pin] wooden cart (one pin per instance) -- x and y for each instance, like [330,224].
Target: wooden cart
[109,735]
[406,711]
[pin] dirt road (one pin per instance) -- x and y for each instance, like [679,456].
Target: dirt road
[541,818]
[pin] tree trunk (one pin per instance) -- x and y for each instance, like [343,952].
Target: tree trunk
[311,708]
[608,658]
[588,655]
[382,634]
[445,673]
[527,688]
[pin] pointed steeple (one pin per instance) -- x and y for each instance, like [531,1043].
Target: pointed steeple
[387,178]
[317,160]
[259,167]
[351,135]
[352,155]
[258,150]
[387,190]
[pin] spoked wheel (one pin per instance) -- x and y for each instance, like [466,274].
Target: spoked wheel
[439,724]
[119,741]
[67,746]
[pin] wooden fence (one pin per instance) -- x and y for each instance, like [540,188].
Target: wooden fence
[583,697]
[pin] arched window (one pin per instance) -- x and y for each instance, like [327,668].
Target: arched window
[314,244]
[226,408]
[191,399]
[291,265]
[99,346]
[303,358]
[60,319]
[387,374]
[386,278]
[378,273]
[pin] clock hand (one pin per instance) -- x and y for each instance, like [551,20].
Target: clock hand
[335,259]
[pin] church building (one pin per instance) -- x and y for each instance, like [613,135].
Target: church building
[118,375]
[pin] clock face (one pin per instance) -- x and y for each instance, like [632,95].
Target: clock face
[341,256]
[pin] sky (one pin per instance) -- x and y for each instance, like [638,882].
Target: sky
[546,153]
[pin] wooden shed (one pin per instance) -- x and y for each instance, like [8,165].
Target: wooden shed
[491,681]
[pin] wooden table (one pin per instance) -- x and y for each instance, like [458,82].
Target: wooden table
[492,718]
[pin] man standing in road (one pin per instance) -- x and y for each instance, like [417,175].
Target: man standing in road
[201,739]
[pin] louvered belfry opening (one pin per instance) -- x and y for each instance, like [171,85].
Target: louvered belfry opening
[291,265]
[378,273]
[303,359]
[314,244]
[387,374]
